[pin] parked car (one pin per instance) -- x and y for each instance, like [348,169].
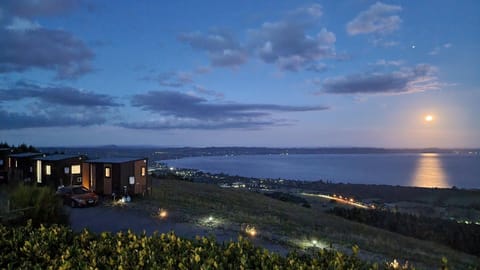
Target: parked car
[77,196]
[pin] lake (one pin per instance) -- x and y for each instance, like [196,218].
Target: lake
[423,170]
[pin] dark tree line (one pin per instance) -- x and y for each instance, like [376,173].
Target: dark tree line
[21,148]
[459,236]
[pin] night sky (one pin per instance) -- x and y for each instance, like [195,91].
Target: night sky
[240,73]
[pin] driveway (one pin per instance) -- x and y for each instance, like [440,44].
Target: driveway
[114,219]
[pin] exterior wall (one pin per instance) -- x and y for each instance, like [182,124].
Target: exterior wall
[141,184]
[4,166]
[93,177]
[58,176]
[86,175]
[21,169]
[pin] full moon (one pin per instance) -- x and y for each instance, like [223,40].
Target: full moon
[429,118]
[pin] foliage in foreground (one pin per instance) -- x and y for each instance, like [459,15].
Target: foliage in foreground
[38,204]
[57,247]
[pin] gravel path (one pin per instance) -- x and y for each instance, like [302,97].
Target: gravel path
[113,219]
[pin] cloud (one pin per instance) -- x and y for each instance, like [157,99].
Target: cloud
[56,50]
[35,8]
[222,48]
[406,80]
[50,118]
[182,123]
[438,49]
[194,112]
[171,79]
[57,95]
[287,44]
[387,63]
[25,44]
[284,43]
[26,105]
[207,92]
[378,19]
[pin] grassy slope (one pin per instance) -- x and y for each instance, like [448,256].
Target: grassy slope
[195,200]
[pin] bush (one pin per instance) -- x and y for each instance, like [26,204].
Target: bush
[57,247]
[38,204]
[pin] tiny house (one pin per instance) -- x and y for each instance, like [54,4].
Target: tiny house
[115,175]
[4,153]
[59,170]
[21,166]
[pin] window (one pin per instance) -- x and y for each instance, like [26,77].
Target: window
[107,172]
[48,170]
[39,171]
[1,162]
[143,171]
[16,163]
[75,169]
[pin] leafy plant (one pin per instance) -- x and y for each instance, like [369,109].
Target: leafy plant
[57,247]
[38,204]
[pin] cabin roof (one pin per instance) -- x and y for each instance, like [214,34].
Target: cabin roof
[115,160]
[57,157]
[25,155]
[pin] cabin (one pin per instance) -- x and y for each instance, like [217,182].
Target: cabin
[59,170]
[21,166]
[4,153]
[116,175]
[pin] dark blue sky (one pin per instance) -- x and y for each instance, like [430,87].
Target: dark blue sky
[240,73]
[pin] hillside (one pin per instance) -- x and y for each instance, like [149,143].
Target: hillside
[295,226]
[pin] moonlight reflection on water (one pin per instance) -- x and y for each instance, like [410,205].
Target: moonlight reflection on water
[430,172]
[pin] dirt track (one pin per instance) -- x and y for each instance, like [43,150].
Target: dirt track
[113,219]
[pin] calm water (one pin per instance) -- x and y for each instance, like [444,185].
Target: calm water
[425,170]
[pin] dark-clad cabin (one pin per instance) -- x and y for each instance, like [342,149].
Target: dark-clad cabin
[57,170]
[112,175]
[21,166]
[4,153]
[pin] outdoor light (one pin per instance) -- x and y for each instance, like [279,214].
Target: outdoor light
[314,243]
[210,218]
[250,230]
[162,213]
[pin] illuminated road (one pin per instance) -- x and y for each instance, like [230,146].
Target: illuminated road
[338,199]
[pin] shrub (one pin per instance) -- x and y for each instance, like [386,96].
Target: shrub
[57,247]
[39,204]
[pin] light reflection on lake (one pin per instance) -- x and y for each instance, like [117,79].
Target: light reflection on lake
[425,170]
[429,172]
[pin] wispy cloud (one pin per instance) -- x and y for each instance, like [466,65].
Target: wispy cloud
[405,80]
[223,49]
[438,49]
[29,8]
[197,112]
[57,95]
[27,105]
[171,79]
[378,19]
[50,118]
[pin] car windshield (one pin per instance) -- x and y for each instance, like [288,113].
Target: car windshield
[79,190]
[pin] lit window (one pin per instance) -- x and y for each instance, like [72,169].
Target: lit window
[143,171]
[48,170]
[16,163]
[107,172]
[75,169]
